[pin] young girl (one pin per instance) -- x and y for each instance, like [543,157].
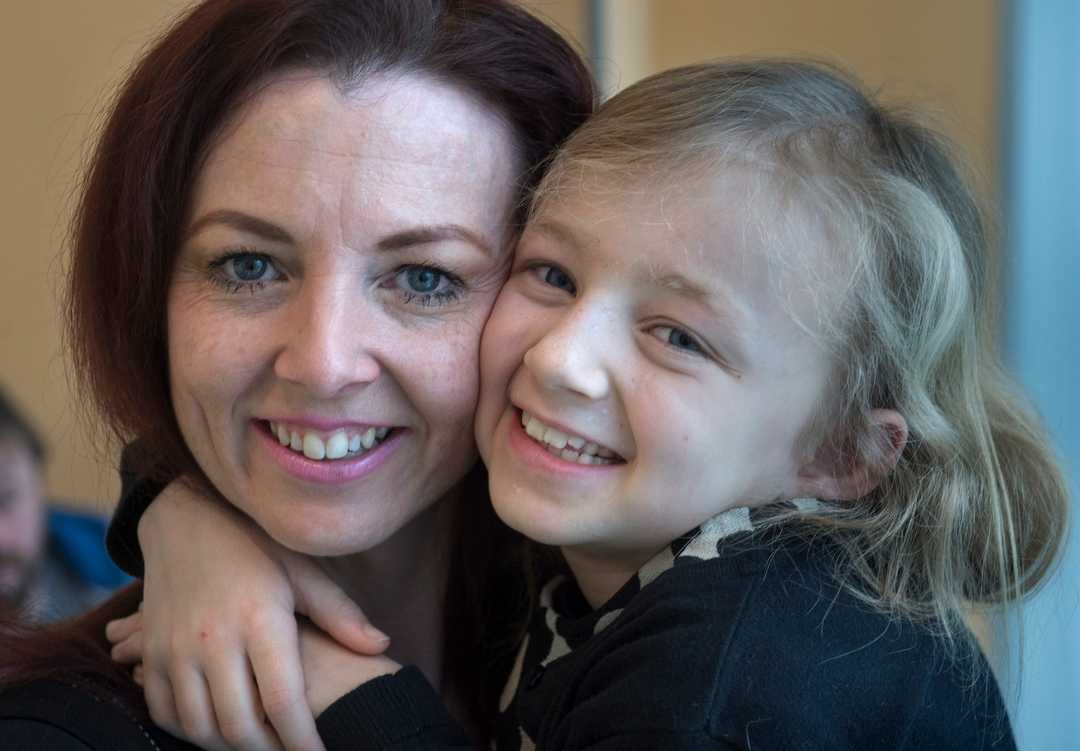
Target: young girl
[742,376]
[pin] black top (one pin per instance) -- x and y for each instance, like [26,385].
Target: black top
[137,492]
[75,715]
[730,639]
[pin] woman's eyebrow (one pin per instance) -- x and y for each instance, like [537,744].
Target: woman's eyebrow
[239,220]
[425,235]
[412,237]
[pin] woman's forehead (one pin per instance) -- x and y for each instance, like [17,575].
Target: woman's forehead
[404,147]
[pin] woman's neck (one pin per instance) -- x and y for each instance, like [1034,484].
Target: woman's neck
[401,586]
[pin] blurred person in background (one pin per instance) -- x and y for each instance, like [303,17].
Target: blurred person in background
[52,562]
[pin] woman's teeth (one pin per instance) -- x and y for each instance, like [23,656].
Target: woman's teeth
[337,445]
[572,448]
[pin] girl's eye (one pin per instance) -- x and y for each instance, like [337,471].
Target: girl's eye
[678,338]
[555,277]
[426,286]
[243,270]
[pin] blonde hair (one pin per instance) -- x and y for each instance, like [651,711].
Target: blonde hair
[974,513]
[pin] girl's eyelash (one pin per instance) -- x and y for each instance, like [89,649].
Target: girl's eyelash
[699,348]
[534,267]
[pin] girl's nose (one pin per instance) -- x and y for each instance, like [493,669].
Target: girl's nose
[574,355]
[327,346]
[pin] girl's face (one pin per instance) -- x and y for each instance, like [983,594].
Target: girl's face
[643,370]
[325,310]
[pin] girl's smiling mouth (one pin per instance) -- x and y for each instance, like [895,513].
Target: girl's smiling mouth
[531,433]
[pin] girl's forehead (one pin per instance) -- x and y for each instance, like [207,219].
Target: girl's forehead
[739,233]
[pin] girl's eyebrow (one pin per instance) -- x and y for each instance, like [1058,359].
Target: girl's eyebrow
[564,234]
[723,306]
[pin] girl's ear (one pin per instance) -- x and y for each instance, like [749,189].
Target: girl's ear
[833,477]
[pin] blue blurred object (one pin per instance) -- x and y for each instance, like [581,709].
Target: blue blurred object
[1041,187]
[79,540]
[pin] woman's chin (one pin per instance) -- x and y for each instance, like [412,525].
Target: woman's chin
[323,530]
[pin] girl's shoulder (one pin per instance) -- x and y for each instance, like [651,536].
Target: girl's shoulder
[75,715]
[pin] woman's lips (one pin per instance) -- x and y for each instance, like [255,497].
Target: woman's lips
[327,471]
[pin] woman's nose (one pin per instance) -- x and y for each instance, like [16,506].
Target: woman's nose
[575,354]
[326,347]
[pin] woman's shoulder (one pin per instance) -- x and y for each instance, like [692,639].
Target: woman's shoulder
[75,715]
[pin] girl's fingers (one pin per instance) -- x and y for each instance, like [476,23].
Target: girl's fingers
[159,700]
[122,628]
[129,651]
[279,675]
[194,709]
[332,610]
[138,675]
[241,721]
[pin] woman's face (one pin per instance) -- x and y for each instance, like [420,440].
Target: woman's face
[325,310]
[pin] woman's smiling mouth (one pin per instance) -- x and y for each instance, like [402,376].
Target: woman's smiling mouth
[337,444]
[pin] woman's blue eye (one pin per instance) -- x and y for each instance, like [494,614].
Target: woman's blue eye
[249,267]
[678,338]
[426,286]
[243,271]
[423,280]
[556,277]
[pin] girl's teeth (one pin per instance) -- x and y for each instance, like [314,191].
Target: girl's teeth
[380,433]
[570,448]
[555,438]
[296,443]
[283,435]
[355,444]
[535,429]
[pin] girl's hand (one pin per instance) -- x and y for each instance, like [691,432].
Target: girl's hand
[217,632]
[336,670]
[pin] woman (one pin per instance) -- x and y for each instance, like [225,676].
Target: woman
[296,220]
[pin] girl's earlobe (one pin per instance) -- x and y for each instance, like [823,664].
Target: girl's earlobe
[845,477]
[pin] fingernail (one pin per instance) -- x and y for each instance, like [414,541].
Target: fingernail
[376,634]
[109,628]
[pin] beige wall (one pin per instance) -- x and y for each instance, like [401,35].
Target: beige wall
[568,16]
[941,57]
[59,59]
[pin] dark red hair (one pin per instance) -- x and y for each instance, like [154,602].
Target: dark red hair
[126,231]
[127,227]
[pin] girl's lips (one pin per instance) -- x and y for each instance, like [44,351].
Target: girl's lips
[327,471]
[537,457]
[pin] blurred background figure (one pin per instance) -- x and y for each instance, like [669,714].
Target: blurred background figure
[52,562]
